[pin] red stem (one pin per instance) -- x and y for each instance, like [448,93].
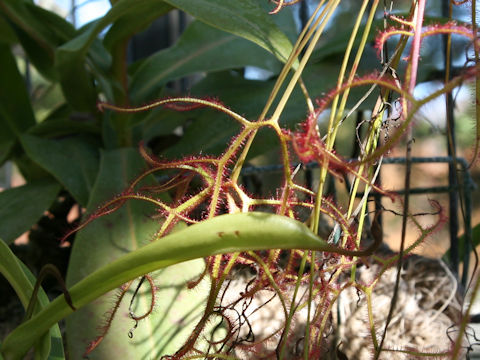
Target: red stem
[417,38]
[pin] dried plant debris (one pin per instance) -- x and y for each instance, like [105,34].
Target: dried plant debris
[428,308]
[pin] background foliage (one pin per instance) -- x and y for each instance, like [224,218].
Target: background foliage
[73,153]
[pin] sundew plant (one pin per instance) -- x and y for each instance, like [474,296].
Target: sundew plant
[203,210]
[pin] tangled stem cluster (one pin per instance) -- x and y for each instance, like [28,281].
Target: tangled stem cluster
[203,187]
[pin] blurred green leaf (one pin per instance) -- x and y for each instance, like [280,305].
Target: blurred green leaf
[16,114]
[76,82]
[31,35]
[100,64]
[57,127]
[15,109]
[244,18]
[22,206]
[29,169]
[49,346]
[159,122]
[110,237]
[46,96]
[136,19]
[6,146]
[39,31]
[7,35]
[461,245]
[72,161]
[200,48]
[57,29]
[77,48]
[210,131]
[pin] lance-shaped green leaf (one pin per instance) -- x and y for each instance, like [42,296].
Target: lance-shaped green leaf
[70,57]
[78,46]
[136,19]
[39,31]
[15,109]
[75,50]
[62,126]
[222,234]
[244,18]
[72,161]
[200,48]
[7,36]
[16,114]
[22,281]
[210,130]
[22,206]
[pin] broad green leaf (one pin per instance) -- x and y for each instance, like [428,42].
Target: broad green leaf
[77,85]
[210,131]
[70,57]
[11,269]
[200,48]
[134,20]
[57,127]
[78,47]
[159,122]
[107,239]
[100,63]
[75,50]
[57,29]
[39,32]
[15,109]
[244,18]
[49,346]
[29,169]
[223,234]
[16,114]
[22,206]
[30,34]
[7,35]
[72,161]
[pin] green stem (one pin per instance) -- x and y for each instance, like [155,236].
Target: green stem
[326,14]
[333,123]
